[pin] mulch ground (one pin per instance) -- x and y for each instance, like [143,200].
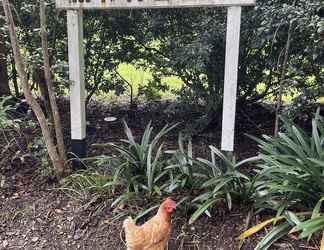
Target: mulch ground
[36,214]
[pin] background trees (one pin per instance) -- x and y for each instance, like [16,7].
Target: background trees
[4,78]
[190,45]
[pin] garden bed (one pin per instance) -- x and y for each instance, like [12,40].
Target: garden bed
[36,214]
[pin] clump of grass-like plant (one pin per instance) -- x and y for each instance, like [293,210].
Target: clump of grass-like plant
[290,180]
[225,182]
[139,166]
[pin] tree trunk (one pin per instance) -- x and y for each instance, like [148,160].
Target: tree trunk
[57,161]
[39,79]
[4,79]
[14,78]
[50,86]
[282,80]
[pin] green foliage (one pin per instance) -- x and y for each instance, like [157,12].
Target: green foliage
[187,45]
[314,224]
[276,233]
[291,166]
[87,184]
[139,167]
[6,122]
[181,166]
[290,177]
[225,182]
[38,150]
[306,224]
[145,170]
[136,174]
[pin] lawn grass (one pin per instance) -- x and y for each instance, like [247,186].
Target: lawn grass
[139,77]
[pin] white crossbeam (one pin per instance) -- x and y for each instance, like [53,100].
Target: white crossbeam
[142,4]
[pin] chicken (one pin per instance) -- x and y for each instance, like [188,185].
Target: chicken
[155,233]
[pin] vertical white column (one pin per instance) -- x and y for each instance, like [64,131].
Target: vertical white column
[231,75]
[76,71]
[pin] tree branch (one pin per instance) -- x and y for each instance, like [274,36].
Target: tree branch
[50,86]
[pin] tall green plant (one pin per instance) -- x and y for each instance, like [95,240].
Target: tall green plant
[290,177]
[226,182]
[305,224]
[184,172]
[139,167]
[291,167]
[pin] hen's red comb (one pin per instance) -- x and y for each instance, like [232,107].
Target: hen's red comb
[170,202]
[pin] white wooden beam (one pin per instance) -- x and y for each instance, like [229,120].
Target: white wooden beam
[141,4]
[76,71]
[231,75]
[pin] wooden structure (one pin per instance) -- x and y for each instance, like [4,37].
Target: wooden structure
[76,61]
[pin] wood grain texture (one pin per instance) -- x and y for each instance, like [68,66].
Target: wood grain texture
[231,74]
[143,4]
[76,71]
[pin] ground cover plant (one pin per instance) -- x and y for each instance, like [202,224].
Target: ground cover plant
[289,180]
[6,121]
[88,203]
[146,170]
[138,170]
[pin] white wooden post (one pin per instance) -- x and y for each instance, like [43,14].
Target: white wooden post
[76,71]
[231,75]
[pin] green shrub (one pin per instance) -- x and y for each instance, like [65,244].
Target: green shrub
[290,177]
[303,223]
[87,184]
[6,122]
[184,171]
[139,168]
[146,171]
[291,167]
[225,182]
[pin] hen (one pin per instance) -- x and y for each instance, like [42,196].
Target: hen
[155,233]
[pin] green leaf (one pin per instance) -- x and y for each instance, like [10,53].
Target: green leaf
[222,156]
[129,133]
[275,234]
[316,137]
[311,226]
[300,137]
[317,208]
[201,209]
[292,218]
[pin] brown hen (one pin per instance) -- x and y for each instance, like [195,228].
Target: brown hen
[155,233]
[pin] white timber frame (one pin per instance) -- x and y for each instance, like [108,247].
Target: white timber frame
[75,9]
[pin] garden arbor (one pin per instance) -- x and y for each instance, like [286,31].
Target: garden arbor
[76,61]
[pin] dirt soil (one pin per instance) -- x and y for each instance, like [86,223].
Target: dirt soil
[36,214]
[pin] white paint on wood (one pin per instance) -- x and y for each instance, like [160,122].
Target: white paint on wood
[76,60]
[129,4]
[231,74]
[76,71]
